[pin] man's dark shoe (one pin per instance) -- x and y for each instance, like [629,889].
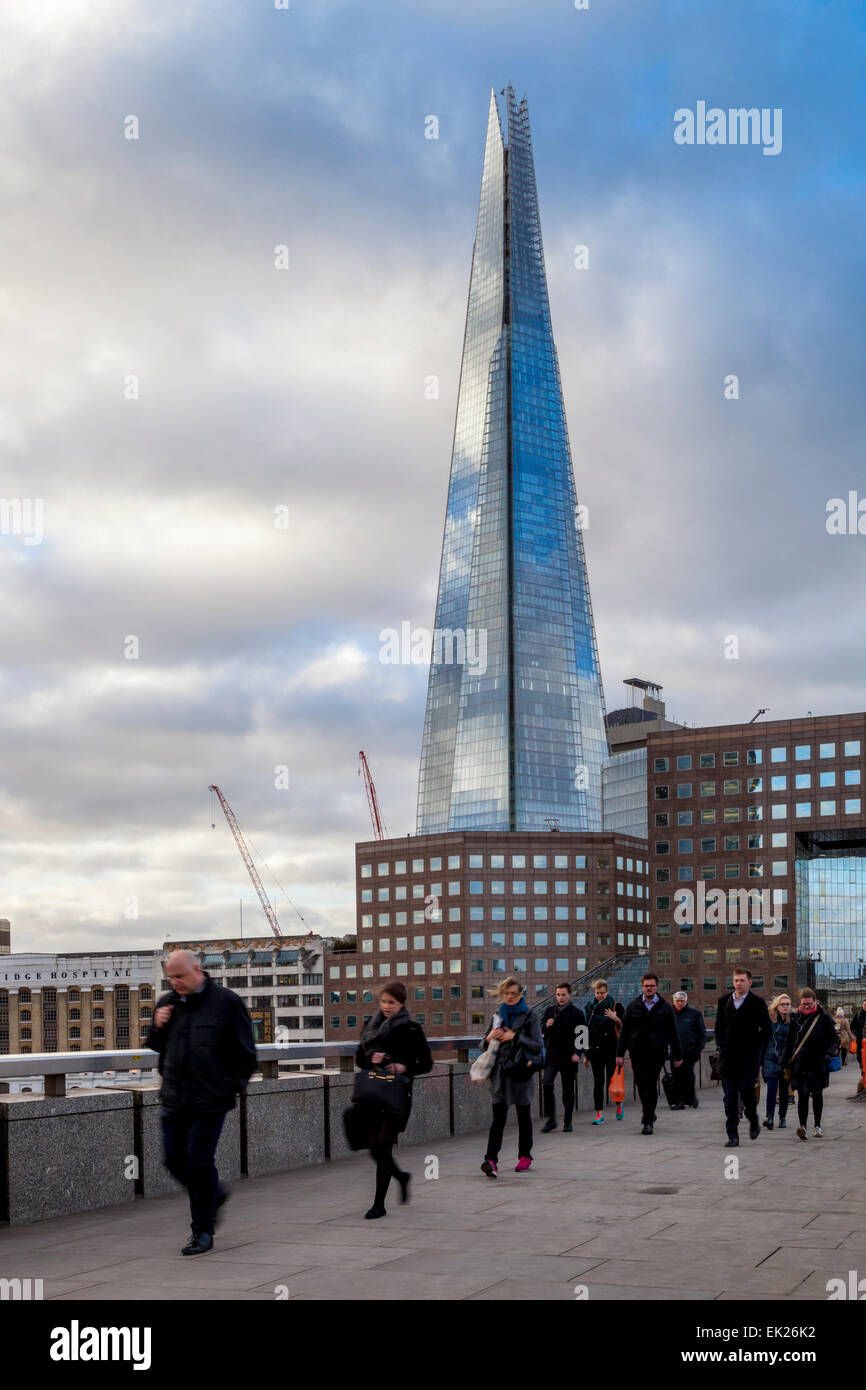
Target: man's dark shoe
[567,1128]
[374,1213]
[646,1129]
[200,1244]
[551,1124]
[754,1128]
[695,1103]
[678,1107]
[733,1143]
[768,1124]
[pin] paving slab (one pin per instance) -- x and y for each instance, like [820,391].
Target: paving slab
[606,1208]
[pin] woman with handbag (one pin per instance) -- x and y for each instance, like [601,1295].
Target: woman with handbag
[604,1017]
[774,1054]
[512,1079]
[843,1034]
[811,1037]
[392,1050]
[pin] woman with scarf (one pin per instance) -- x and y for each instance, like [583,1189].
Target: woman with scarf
[393,1042]
[772,1062]
[518,1031]
[811,1043]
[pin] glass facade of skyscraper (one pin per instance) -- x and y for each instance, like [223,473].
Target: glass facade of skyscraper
[517,738]
[831,926]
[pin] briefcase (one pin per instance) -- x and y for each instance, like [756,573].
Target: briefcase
[668,1088]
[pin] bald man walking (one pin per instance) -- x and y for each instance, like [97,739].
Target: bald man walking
[207,1054]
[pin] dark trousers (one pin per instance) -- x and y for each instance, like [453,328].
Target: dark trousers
[804,1091]
[736,1089]
[777,1086]
[497,1129]
[382,1155]
[684,1082]
[646,1071]
[189,1141]
[603,1067]
[567,1070]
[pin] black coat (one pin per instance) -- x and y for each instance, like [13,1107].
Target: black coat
[857,1025]
[602,1031]
[692,1032]
[810,1069]
[405,1043]
[559,1043]
[741,1035]
[648,1033]
[207,1053]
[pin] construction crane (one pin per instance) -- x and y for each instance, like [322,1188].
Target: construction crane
[379,829]
[248,860]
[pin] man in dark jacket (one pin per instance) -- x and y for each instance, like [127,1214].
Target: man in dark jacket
[692,1032]
[742,1032]
[858,1024]
[649,1029]
[207,1054]
[561,1054]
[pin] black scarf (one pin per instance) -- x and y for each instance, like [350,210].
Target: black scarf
[379,1026]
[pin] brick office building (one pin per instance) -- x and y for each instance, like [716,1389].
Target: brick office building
[776,805]
[450,914]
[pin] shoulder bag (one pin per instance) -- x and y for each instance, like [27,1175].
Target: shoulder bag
[519,1066]
[786,1074]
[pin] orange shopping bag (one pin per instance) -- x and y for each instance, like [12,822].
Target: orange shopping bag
[616,1089]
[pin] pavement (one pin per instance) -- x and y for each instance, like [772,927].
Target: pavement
[605,1214]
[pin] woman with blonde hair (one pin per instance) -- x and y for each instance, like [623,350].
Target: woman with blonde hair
[843,1033]
[771,1063]
[517,1030]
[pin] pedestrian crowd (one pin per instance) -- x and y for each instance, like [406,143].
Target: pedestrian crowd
[204,1038]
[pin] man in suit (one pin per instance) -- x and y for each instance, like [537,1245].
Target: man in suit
[561,1054]
[742,1032]
[649,1029]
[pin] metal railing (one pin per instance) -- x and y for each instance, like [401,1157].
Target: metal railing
[54,1067]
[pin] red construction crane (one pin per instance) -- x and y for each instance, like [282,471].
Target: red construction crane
[379,829]
[248,860]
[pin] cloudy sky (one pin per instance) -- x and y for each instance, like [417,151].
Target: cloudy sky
[167,392]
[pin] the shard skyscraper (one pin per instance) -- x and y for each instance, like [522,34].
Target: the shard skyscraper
[518,738]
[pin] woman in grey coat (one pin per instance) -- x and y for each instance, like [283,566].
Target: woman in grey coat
[513,1078]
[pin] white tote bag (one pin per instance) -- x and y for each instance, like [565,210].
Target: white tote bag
[484,1064]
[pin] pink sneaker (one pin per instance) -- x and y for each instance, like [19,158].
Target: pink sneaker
[523,1165]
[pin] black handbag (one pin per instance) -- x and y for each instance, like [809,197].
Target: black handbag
[391,1090]
[518,1065]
